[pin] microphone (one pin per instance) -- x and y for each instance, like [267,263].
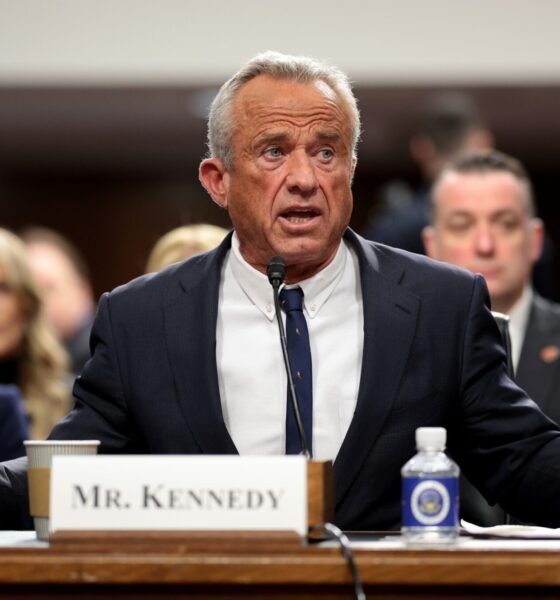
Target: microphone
[276,271]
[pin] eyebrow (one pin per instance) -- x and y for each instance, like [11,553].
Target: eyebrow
[281,136]
[329,135]
[505,212]
[459,213]
[269,138]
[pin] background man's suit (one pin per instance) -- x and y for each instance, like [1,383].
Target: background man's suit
[432,356]
[538,372]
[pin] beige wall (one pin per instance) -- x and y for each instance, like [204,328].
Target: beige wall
[377,41]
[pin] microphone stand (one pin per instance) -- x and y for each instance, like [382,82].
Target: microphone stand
[276,272]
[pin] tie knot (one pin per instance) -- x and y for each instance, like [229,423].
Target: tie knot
[291,299]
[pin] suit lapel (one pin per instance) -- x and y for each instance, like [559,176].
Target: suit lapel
[539,363]
[190,327]
[390,316]
[390,313]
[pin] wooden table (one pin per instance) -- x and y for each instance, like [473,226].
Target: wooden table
[108,570]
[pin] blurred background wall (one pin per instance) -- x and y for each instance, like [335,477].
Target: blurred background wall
[102,102]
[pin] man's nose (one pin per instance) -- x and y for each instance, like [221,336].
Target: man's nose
[484,241]
[301,176]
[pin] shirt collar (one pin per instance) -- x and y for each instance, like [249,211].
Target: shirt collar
[316,289]
[518,320]
[519,314]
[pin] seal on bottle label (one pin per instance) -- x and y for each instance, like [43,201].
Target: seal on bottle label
[430,502]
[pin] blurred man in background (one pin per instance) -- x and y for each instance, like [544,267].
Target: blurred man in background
[451,124]
[484,219]
[63,277]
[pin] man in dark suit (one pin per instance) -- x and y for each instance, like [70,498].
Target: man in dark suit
[484,219]
[538,370]
[448,125]
[188,360]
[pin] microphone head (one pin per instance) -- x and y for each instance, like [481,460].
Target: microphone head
[276,270]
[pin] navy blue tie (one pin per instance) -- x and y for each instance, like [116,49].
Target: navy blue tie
[300,359]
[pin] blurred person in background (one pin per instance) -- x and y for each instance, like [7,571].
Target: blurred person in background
[484,219]
[64,280]
[182,243]
[13,420]
[30,355]
[451,125]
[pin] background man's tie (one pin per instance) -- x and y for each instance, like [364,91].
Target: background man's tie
[300,359]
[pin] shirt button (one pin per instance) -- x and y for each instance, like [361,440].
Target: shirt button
[313,308]
[268,308]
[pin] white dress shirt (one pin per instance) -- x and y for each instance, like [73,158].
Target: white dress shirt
[251,373]
[518,320]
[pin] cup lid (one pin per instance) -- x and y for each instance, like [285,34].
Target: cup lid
[61,442]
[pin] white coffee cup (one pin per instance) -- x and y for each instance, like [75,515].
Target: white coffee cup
[39,457]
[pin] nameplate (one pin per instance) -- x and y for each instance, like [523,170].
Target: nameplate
[160,492]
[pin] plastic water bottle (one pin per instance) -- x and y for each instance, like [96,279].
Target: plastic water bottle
[430,491]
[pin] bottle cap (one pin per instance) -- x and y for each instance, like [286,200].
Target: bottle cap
[431,438]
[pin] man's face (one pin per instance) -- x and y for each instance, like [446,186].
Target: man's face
[288,191]
[481,223]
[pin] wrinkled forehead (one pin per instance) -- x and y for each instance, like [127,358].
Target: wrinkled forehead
[266,97]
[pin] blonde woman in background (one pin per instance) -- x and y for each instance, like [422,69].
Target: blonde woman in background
[182,243]
[30,355]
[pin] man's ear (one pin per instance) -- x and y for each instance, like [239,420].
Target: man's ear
[214,177]
[428,235]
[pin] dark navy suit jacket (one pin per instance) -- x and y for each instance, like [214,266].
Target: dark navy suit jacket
[432,356]
[538,372]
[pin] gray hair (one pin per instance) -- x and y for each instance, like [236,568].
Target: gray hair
[487,162]
[281,66]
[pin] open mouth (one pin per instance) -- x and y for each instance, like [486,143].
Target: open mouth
[297,217]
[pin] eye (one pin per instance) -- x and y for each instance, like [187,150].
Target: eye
[273,152]
[459,225]
[326,153]
[507,224]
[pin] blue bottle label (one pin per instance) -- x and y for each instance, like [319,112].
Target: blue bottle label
[430,502]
